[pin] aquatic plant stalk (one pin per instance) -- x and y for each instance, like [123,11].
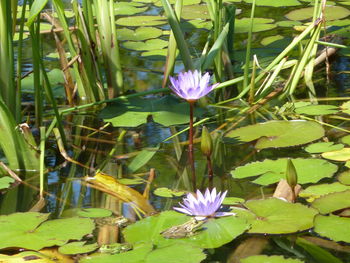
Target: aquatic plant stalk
[42,159]
[190,146]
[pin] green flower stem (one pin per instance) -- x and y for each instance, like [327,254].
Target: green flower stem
[210,172]
[190,146]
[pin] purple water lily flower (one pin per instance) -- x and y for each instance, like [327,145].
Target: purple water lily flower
[203,206]
[191,85]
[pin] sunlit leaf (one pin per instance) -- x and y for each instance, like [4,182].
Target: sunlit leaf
[315,191]
[332,202]
[5,182]
[272,171]
[152,44]
[321,147]
[166,192]
[269,259]
[73,248]
[274,3]
[331,13]
[28,230]
[142,158]
[139,34]
[274,216]
[340,155]
[141,21]
[333,227]
[316,110]
[279,133]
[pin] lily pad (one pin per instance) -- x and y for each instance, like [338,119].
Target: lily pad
[315,191]
[94,212]
[321,147]
[30,231]
[332,202]
[5,182]
[129,8]
[77,248]
[134,112]
[139,34]
[158,54]
[152,44]
[342,155]
[269,259]
[213,233]
[316,110]
[141,21]
[274,3]
[233,201]
[346,139]
[273,134]
[274,216]
[331,13]
[344,177]
[268,40]
[260,24]
[272,171]
[166,192]
[195,12]
[333,227]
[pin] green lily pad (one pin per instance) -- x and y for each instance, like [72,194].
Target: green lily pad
[152,44]
[342,155]
[185,2]
[279,133]
[176,253]
[332,202]
[345,139]
[272,171]
[345,107]
[288,23]
[274,3]
[344,177]
[274,216]
[139,34]
[213,233]
[158,54]
[73,248]
[269,259]
[331,13]
[133,112]
[30,231]
[166,192]
[141,21]
[333,227]
[316,110]
[321,147]
[233,201]
[129,8]
[260,24]
[137,255]
[315,191]
[268,40]
[94,212]
[195,12]
[5,182]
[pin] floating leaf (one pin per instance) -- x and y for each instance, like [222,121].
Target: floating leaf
[288,23]
[195,12]
[316,110]
[272,171]
[321,147]
[331,13]
[5,182]
[139,34]
[94,212]
[260,24]
[274,3]
[48,255]
[279,133]
[340,155]
[269,259]
[232,201]
[131,113]
[137,255]
[29,231]
[316,191]
[268,40]
[346,139]
[332,202]
[344,177]
[166,192]
[274,216]
[158,54]
[213,233]
[185,2]
[77,248]
[333,227]
[152,44]
[141,21]
[129,8]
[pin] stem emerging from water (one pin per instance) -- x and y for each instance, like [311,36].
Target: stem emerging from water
[190,146]
[210,172]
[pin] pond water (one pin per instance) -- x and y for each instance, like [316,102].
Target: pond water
[139,149]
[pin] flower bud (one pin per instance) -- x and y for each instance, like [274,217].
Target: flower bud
[291,174]
[206,142]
